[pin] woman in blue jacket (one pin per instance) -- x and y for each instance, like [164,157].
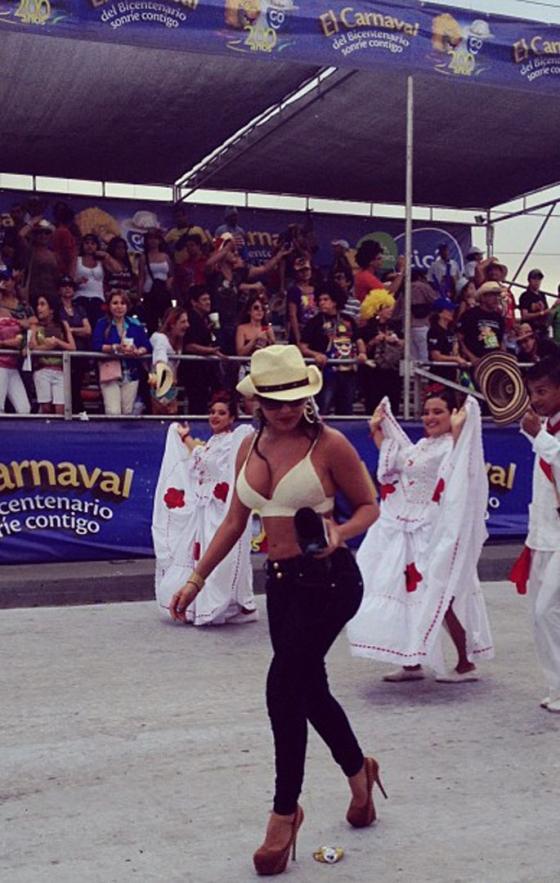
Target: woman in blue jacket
[121,335]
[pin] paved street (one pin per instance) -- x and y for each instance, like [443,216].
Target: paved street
[137,750]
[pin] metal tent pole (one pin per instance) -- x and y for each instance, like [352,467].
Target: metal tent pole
[408,242]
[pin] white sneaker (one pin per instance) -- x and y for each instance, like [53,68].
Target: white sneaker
[401,674]
[241,618]
[544,702]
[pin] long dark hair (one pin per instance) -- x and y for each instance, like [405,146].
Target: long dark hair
[109,319]
[451,398]
[112,247]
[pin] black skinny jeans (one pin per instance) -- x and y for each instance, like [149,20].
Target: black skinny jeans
[307,607]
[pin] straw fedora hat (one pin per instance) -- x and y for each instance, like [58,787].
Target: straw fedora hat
[279,372]
[500,381]
[162,379]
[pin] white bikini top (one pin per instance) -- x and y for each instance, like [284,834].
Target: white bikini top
[300,486]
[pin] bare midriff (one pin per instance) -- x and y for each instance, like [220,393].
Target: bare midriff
[281,536]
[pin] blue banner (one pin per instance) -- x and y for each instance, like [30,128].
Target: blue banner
[411,36]
[108,218]
[84,491]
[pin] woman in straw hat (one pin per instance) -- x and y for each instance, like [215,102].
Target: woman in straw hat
[295,462]
[419,559]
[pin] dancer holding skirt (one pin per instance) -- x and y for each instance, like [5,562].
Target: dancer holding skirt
[419,560]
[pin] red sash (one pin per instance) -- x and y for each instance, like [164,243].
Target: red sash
[547,467]
[519,573]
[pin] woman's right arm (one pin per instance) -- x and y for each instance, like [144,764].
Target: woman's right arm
[226,537]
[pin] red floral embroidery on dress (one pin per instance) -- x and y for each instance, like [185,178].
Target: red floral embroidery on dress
[174,498]
[412,577]
[440,487]
[196,551]
[221,491]
[386,489]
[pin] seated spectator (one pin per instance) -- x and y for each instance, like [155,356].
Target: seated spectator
[384,350]
[76,318]
[254,332]
[422,298]
[190,265]
[442,342]
[466,298]
[90,293]
[369,258]
[301,300]
[444,273]
[200,379]
[533,305]
[119,275]
[155,279]
[123,336]
[482,328]
[167,344]
[327,338]
[531,347]
[183,227]
[231,227]
[12,336]
[51,333]
[232,282]
[473,257]
[65,239]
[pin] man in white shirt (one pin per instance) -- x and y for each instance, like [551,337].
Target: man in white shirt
[444,273]
[542,552]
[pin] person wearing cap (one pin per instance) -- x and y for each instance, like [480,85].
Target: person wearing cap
[533,305]
[41,266]
[473,258]
[442,342]
[530,347]
[12,336]
[231,226]
[444,273]
[537,570]
[292,465]
[78,322]
[329,337]
[340,262]
[482,328]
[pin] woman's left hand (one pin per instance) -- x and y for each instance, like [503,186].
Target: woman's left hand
[334,539]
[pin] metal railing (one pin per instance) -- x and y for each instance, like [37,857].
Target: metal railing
[420,372]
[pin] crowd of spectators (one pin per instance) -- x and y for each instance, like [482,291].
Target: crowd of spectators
[189,293]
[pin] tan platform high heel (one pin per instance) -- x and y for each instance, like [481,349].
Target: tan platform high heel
[269,861]
[362,815]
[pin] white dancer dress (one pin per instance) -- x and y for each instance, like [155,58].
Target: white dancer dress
[191,501]
[423,550]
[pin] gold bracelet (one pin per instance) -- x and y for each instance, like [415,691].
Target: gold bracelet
[196,579]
